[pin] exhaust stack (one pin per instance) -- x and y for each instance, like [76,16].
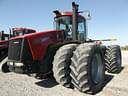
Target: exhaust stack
[75,21]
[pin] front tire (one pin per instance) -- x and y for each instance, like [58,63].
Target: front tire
[3,65]
[61,63]
[87,68]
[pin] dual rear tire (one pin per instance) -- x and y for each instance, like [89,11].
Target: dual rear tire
[87,68]
[81,66]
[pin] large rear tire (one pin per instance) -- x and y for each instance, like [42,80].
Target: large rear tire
[87,68]
[113,59]
[61,63]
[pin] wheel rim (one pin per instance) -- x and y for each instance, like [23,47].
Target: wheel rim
[96,68]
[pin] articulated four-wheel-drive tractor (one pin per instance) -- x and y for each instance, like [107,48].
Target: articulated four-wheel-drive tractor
[65,52]
[4,43]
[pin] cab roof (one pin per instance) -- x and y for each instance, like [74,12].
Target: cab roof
[66,13]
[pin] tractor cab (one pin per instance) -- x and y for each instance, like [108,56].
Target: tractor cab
[63,21]
[22,31]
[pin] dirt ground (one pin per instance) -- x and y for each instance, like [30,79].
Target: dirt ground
[12,84]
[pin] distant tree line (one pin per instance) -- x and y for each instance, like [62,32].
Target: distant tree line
[124,47]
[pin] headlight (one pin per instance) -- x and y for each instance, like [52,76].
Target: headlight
[10,63]
[19,64]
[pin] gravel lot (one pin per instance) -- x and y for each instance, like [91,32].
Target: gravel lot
[12,84]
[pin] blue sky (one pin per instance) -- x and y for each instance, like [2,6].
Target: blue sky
[109,17]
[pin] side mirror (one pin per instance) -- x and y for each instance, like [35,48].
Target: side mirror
[87,15]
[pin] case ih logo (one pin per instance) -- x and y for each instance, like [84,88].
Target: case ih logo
[44,39]
[41,40]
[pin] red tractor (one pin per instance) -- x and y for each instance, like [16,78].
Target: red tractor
[4,44]
[65,51]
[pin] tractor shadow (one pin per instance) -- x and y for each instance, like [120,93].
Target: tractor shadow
[51,82]
[110,76]
[47,83]
[121,69]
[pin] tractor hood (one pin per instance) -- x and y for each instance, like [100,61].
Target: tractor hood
[37,44]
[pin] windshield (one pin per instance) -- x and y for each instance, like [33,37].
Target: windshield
[18,33]
[22,32]
[65,23]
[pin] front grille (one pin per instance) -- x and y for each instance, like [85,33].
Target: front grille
[14,50]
